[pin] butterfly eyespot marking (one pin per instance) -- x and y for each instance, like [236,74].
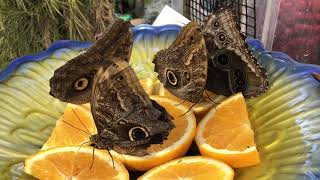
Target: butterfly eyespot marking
[221,37]
[223,59]
[172,78]
[114,64]
[216,24]
[138,133]
[81,84]
[120,78]
[192,39]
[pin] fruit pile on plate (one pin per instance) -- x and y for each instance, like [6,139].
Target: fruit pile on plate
[223,136]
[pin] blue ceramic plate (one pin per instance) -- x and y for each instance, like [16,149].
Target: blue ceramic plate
[286,119]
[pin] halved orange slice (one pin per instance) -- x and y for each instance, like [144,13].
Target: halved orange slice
[72,162]
[74,127]
[193,167]
[225,133]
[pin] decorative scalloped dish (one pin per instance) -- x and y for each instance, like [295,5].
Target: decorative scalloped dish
[286,119]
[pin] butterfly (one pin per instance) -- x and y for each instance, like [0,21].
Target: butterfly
[222,63]
[73,81]
[183,66]
[127,120]
[232,67]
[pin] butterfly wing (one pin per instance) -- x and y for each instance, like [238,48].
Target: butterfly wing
[116,90]
[119,106]
[182,67]
[72,82]
[232,67]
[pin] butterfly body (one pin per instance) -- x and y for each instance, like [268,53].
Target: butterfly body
[127,120]
[73,81]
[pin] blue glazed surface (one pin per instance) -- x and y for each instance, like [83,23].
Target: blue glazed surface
[42,55]
[286,119]
[141,31]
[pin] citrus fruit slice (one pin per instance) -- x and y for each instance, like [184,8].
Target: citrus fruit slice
[151,86]
[177,144]
[193,167]
[73,128]
[200,109]
[155,87]
[225,133]
[70,162]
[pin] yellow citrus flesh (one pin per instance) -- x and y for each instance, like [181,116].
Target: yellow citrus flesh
[177,144]
[70,162]
[193,167]
[200,109]
[73,128]
[225,133]
[151,86]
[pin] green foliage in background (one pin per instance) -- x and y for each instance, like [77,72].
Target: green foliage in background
[30,26]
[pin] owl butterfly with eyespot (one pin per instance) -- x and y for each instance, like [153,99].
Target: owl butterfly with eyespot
[127,120]
[73,81]
[223,64]
[231,66]
[183,66]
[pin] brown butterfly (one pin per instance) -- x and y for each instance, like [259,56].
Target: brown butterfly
[127,120]
[73,81]
[222,64]
[183,66]
[232,67]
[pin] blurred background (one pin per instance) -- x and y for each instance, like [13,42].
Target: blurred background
[28,26]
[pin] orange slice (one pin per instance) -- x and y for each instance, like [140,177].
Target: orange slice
[154,87]
[70,162]
[151,86]
[179,139]
[193,167]
[177,144]
[73,128]
[225,133]
[200,109]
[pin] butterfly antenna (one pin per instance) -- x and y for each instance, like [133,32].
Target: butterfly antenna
[111,157]
[211,100]
[76,127]
[201,97]
[180,103]
[189,109]
[81,122]
[83,144]
[92,158]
